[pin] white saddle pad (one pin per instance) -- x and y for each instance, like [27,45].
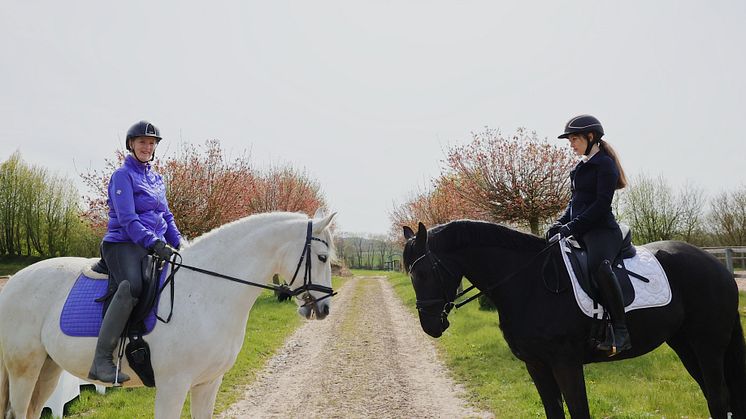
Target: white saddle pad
[655,293]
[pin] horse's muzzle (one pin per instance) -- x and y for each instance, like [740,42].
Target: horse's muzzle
[434,326]
[315,310]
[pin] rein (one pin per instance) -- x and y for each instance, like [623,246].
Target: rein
[305,289]
[451,303]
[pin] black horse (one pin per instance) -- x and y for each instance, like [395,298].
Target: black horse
[546,329]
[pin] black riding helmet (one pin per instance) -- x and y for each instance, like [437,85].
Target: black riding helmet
[583,124]
[142,129]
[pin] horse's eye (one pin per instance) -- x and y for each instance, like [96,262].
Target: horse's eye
[322,258]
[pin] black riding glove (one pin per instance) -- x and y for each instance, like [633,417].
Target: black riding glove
[163,250]
[552,231]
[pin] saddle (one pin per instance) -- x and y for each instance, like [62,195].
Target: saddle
[147,299]
[578,257]
[82,305]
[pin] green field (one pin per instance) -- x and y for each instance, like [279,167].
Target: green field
[654,385]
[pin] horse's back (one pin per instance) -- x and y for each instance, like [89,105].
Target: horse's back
[697,278]
[31,293]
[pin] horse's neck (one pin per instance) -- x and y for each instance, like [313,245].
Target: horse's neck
[247,252]
[505,276]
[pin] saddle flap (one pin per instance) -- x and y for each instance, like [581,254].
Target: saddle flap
[579,261]
[641,278]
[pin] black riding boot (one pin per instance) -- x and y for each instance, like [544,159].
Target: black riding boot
[617,340]
[103,368]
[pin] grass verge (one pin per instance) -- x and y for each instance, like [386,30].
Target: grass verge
[269,325]
[653,385]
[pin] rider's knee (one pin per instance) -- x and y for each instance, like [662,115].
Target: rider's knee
[127,286]
[605,268]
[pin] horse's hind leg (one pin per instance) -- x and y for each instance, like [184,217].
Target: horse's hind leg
[713,375]
[689,358]
[203,398]
[48,378]
[23,373]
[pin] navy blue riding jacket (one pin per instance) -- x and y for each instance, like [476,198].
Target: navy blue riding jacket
[593,186]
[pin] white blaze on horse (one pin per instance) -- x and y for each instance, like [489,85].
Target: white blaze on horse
[202,340]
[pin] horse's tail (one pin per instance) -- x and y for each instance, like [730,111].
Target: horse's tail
[735,370]
[4,394]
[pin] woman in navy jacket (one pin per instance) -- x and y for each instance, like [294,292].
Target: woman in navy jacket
[589,217]
[139,223]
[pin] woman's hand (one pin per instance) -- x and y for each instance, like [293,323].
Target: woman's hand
[163,250]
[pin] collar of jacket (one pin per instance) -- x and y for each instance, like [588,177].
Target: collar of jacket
[595,159]
[131,162]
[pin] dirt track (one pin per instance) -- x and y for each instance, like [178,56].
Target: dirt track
[368,359]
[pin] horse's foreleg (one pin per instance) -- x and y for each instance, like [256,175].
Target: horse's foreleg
[169,397]
[548,389]
[203,398]
[571,382]
[47,382]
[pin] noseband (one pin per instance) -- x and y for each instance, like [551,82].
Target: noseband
[448,303]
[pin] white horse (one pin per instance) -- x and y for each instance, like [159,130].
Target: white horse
[194,350]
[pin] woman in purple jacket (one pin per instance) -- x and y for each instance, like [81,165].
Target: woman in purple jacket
[139,223]
[589,217]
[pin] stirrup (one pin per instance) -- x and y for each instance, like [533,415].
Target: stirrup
[610,345]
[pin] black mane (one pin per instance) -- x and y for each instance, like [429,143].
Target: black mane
[462,234]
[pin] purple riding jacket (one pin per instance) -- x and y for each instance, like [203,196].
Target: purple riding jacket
[138,211]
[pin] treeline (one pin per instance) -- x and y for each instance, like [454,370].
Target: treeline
[522,181]
[43,215]
[40,213]
[361,251]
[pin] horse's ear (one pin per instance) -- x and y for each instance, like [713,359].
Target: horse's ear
[421,234]
[408,233]
[320,212]
[320,225]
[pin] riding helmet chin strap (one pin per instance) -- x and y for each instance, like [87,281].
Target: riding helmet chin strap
[589,147]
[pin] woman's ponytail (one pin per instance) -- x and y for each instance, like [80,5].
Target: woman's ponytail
[622,181]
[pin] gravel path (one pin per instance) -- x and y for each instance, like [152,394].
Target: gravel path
[368,359]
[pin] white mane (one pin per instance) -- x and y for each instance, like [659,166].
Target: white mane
[251,222]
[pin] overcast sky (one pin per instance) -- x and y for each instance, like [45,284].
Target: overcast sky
[366,96]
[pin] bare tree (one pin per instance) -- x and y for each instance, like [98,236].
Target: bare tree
[369,252]
[384,248]
[438,204]
[512,179]
[656,212]
[728,217]
[692,202]
[357,249]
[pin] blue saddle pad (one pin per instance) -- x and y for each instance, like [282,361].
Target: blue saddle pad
[82,315]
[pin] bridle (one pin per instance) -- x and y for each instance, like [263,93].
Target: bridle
[308,284]
[450,303]
[447,303]
[303,292]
